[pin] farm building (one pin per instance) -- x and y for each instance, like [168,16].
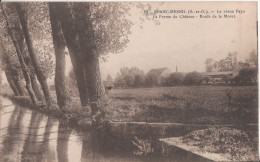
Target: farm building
[156,75]
[163,72]
[221,76]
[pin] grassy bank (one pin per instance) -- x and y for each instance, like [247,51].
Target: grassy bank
[186,104]
[72,113]
[182,104]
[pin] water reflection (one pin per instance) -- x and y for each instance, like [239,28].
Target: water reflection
[27,135]
[63,142]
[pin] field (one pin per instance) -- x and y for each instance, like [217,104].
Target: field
[185,104]
[182,104]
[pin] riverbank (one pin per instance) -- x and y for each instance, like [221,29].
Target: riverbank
[140,130]
[72,114]
[79,117]
[200,105]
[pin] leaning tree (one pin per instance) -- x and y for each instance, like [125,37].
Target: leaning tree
[92,31]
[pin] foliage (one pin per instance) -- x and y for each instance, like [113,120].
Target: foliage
[209,64]
[248,75]
[193,78]
[236,143]
[207,79]
[40,30]
[227,64]
[175,79]
[253,58]
[143,147]
[151,80]
[7,51]
[129,77]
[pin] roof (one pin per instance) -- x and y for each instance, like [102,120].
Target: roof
[158,71]
[220,73]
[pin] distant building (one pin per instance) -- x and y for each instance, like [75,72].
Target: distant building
[163,72]
[221,76]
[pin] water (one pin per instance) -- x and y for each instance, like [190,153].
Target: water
[28,135]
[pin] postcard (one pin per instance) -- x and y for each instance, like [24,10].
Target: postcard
[129,81]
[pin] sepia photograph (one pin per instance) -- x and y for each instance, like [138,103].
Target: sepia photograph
[129,81]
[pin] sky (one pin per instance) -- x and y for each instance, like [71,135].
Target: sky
[185,42]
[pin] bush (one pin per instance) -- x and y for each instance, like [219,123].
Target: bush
[248,75]
[175,79]
[129,78]
[193,78]
[151,80]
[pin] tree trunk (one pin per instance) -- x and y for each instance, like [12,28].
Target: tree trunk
[18,85]
[70,34]
[35,84]
[95,86]
[39,73]
[21,60]
[28,62]
[11,83]
[36,87]
[59,47]
[17,81]
[95,90]
[91,61]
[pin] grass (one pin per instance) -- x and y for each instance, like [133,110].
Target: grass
[183,104]
[237,145]
[186,104]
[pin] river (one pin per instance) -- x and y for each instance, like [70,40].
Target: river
[28,135]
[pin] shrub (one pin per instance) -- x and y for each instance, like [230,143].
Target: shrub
[175,79]
[193,78]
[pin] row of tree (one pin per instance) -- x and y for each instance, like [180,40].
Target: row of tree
[32,32]
[135,78]
[230,62]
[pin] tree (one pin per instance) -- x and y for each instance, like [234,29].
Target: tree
[253,58]
[175,78]
[39,73]
[71,38]
[138,76]
[59,47]
[119,81]
[248,75]
[209,64]
[193,78]
[11,83]
[21,59]
[129,77]
[92,30]
[17,80]
[207,79]
[227,64]
[22,46]
[151,80]
[9,66]
[109,80]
